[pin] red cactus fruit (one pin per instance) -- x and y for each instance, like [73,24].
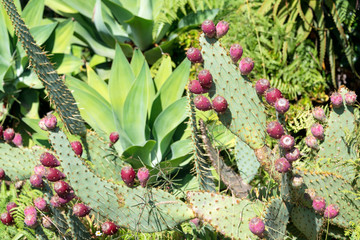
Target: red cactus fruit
[222,28]
[8,134]
[77,148]
[50,121]
[336,99]
[282,105]
[209,29]
[219,104]
[55,202]
[275,130]
[53,174]
[202,103]
[311,142]
[257,226]
[282,165]
[350,98]
[6,219]
[287,142]
[47,222]
[64,199]
[2,174]
[128,175]
[246,65]
[236,52]
[194,55]
[143,176]
[62,188]
[30,210]
[17,140]
[196,88]
[114,137]
[317,131]
[109,228]
[49,160]
[36,181]
[262,85]
[292,155]
[30,221]
[195,221]
[41,204]
[331,211]
[81,210]
[42,124]
[1,131]
[271,95]
[10,206]
[319,204]
[205,78]
[39,170]
[319,114]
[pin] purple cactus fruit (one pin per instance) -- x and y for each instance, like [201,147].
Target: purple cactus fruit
[287,142]
[49,160]
[317,131]
[257,226]
[50,121]
[41,204]
[221,29]
[55,201]
[219,104]
[77,147]
[195,87]
[62,188]
[30,210]
[336,99]
[42,124]
[1,131]
[292,155]
[114,137]
[47,222]
[262,85]
[350,98]
[109,228]
[195,221]
[81,210]
[64,199]
[275,130]
[282,165]
[143,176]
[282,105]
[10,206]
[17,140]
[311,142]
[319,204]
[9,134]
[194,55]
[40,170]
[272,95]
[36,181]
[30,221]
[319,114]
[2,174]
[53,174]
[205,78]
[246,65]
[128,175]
[297,181]
[208,27]
[202,103]
[236,52]
[331,211]
[7,219]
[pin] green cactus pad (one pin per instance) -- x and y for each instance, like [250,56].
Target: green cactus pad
[78,230]
[246,161]
[229,215]
[104,160]
[245,116]
[334,152]
[335,232]
[139,209]
[335,190]
[60,95]
[19,163]
[276,219]
[307,221]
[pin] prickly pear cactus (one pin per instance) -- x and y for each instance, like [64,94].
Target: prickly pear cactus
[246,161]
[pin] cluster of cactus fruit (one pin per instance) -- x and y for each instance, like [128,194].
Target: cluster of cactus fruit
[87,176]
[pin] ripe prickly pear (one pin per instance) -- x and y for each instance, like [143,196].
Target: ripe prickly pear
[262,85]
[282,165]
[40,170]
[287,142]
[311,142]
[194,55]
[109,228]
[49,160]
[2,174]
[53,174]
[6,219]
[246,65]
[319,204]
[196,88]
[30,210]
[10,206]
[1,131]
[50,121]
[297,181]
[205,78]
[30,221]
[77,147]
[319,114]
[81,210]
[209,29]
[317,131]
[41,204]
[36,181]
[202,103]
[331,211]
[9,134]
[64,199]
[61,188]
[257,226]
[271,95]
[114,137]
[282,105]
[336,99]
[350,98]
[17,140]
[275,130]
[292,155]
[55,202]
[236,52]
[221,28]
[128,175]
[143,176]
[219,104]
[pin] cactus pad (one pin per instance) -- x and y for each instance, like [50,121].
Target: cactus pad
[276,219]
[246,161]
[307,221]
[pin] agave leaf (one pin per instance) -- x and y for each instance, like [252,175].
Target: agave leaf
[5,55]
[137,62]
[63,34]
[66,63]
[60,7]
[141,31]
[33,13]
[97,83]
[194,19]
[163,72]
[100,25]
[85,7]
